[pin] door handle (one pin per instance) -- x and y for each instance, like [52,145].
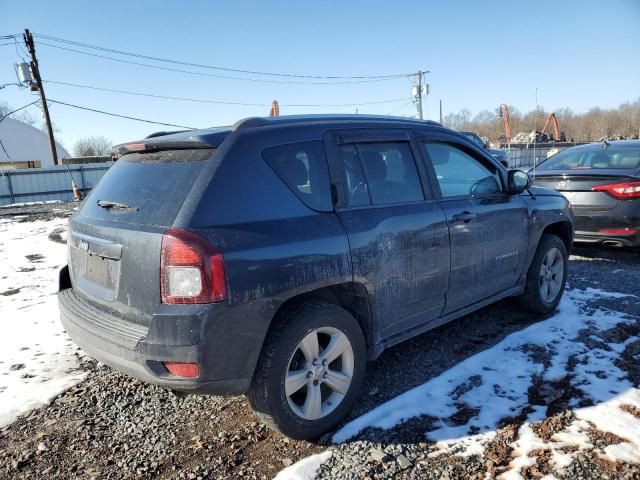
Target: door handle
[465,217]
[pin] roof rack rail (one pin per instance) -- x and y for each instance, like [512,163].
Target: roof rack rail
[251,122]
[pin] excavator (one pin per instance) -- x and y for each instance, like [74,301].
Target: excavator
[504,114]
[558,136]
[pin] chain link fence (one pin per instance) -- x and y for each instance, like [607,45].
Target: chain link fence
[527,155]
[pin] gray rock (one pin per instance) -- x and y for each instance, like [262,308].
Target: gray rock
[403,462]
[378,455]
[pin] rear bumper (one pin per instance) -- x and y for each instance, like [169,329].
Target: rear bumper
[596,238]
[591,226]
[172,336]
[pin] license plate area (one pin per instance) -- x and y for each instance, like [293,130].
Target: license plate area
[596,201]
[92,269]
[101,271]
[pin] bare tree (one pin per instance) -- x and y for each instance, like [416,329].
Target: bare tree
[92,146]
[459,120]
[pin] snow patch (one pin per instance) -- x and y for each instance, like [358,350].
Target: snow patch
[37,360]
[607,416]
[305,469]
[546,359]
[30,204]
[623,452]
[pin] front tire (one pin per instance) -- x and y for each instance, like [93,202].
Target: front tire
[547,276]
[310,371]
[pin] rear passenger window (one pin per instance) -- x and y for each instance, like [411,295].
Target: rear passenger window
[303,167]
[390,172]
[356,184]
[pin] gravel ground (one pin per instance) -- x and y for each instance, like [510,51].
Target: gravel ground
[37,211]
[111,426]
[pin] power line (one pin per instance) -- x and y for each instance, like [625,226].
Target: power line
[19,45]
[401,107]
[5,152]
[4,85]
[119,115]
[225,69]
[221,102]
[17,110]
[204,74]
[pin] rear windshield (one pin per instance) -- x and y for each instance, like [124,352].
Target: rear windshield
[153,186]
[611,157]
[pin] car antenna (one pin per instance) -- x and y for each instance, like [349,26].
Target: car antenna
[605,144]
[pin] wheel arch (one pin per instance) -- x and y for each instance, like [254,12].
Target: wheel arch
[562,229]
[351,296]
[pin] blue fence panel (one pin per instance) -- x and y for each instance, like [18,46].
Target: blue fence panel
[5,187]
[52,183]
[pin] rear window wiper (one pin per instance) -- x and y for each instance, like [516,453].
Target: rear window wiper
[108,204]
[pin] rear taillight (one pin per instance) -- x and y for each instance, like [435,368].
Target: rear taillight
[191,270]
[623,191]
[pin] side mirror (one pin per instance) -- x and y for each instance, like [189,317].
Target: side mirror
[518,181]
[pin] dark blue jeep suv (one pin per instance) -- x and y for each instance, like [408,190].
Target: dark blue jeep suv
[276,256]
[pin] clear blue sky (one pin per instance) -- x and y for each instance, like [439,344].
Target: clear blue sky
[578,54]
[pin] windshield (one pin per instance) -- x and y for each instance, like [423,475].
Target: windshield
[474,138]
[593,159]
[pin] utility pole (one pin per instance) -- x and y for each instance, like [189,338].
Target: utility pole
[418,91]
[420,95]
[440,112]
[535,134]
[28,41]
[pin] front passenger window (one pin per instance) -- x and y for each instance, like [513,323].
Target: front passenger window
[460,174]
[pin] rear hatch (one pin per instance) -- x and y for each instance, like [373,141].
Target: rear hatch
[115,239]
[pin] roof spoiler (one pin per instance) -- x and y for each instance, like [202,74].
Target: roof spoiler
[163,133]
[142,146]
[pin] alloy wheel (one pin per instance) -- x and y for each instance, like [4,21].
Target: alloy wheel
[551,275]
[319,373]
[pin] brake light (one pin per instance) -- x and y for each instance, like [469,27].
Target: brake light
[623,191]
[119,150]
[191,270]
[135,147]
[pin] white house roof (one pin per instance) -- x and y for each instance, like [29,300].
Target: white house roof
[22,143]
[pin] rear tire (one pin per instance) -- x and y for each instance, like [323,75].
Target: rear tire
[547,276]
[299,388]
